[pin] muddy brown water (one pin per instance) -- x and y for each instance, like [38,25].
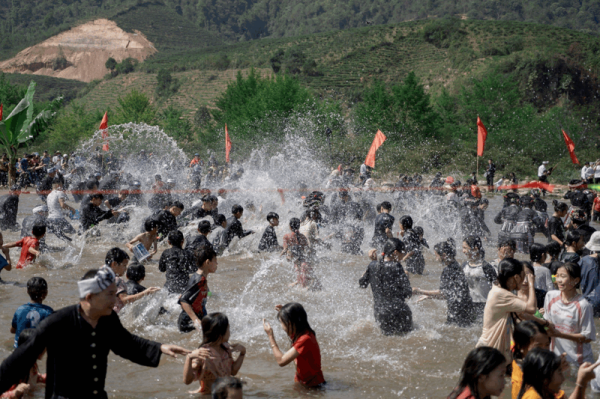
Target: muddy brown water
[358,361]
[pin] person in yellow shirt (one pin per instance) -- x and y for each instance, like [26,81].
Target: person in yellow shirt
[527,336]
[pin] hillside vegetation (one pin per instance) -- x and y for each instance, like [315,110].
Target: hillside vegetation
[175,24]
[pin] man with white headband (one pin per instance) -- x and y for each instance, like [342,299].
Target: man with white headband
[78,339]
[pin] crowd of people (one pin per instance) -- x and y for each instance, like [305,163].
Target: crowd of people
[546,305]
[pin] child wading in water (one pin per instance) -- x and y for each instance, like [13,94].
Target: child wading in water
[214,358]
[295,246]
[482,375]
[148,239]
[305,351]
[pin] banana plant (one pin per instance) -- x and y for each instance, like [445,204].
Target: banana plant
[21,126]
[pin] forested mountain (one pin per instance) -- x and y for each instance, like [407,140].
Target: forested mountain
[27,22]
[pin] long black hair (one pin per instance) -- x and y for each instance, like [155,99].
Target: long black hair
[538,367]
[479,362]
[392,245]
[508,268]
[474,242]
[445,248]
[559,206]
[214,326]
[572,238]
[523,334]
[294,316]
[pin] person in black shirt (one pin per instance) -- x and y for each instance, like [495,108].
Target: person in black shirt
[166,220]
[91,214]
[45,186]
[78,340]
[489,175]
[384,222]
[453,287]
[193,300]
[415,262]
[391,287]
[268,241]
[556,227]
[199,212]
[177,263]
[136,273]
[200,241]
[9,207]
[234,226]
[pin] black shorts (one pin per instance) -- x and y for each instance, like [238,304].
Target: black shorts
[543,179]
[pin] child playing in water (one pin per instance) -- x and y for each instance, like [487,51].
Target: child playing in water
[217,237]
[214,358]
[268,241]
[227,388]
[117,260]
[200,241]
[31,314]
[305,351]
[29,246]
[136,273]
[193,300]
[177,263]
[34,378]
[7,263]
[482,375]
[148,239]
[527,336]
[295,246]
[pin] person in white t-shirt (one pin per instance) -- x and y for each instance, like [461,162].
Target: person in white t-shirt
[57,202]
[543,277]
[584,170]
[572,316]
[596,168]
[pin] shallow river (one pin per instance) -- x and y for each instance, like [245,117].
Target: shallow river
[358,361]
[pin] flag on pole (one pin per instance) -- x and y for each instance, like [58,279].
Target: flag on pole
[104,128]
[377,142]
[570,147]
[227,144]
[481,137]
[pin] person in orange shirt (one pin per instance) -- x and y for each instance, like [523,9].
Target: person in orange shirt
[29,246]
[196,160]
[543,376]
[475,191]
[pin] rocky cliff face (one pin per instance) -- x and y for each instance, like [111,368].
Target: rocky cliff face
[81,52]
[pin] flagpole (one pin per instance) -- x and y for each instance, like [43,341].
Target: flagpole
[477,155]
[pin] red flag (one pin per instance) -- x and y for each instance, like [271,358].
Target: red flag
[227,144]
[533,184]
[0,112]
[481,137]
[377,142]
[570,147]
[104,128]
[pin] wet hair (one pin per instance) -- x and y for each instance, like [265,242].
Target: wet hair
[526,201]
[37,287]
[537,251]
[418,230]
[91,184]
[222,385]
[175,238]
[559,206]
[271,216]
[540,206]
[214,327]
[115,255]
[538,367]
[573,270]
[237,209]
[572,238]
[96,196]
[149,225]
[136,272]
[378,208]
[392,245]
[25,336]
[406,222]
[89,274]
[508,268]
[295,225]
[522,335]
[38,230]
[529,265]
[474,242]
[294,316]
[445,248]
[205,254]
[220,218]
[177,204]
[479,362]
[554,266]
[553,249]
[507,242]
[386,205]
[204,227]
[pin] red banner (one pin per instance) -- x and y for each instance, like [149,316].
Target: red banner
[104,128]
[227,144]
[377,142]
[481,137]
[570,147]
[533,184]
[0,112]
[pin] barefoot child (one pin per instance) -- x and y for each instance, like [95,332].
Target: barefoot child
[193,300]
[29,246]
[213,359]
[117,260]
[31,314]
[148,239]
[305,351]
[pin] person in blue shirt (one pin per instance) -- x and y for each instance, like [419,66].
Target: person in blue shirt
[31,314]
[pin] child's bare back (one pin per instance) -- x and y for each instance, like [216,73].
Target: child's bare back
[148,239]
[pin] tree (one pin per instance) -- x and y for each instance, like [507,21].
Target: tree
[20,127]
[167,85]
[110,64]
[135,107]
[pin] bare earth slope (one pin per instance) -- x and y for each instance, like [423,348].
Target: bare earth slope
[85,48]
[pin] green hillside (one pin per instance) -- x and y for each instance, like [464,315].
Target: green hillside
[173,24]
